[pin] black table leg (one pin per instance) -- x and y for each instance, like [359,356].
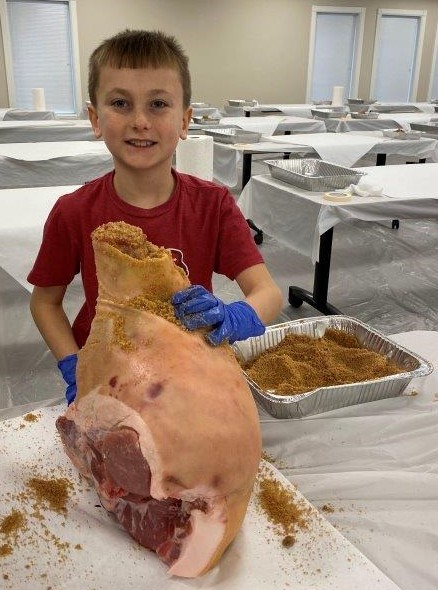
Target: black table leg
[246,175]
[318,299]
[380,159]
[246,168]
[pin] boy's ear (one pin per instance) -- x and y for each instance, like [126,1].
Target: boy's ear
[94,119]
[187,116]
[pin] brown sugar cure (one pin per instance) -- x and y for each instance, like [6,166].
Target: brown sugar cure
[301,363]
[282,509]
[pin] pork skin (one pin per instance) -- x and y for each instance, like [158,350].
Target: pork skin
[163,424]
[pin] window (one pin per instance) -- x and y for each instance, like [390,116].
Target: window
[39,38]
[335,50]
[397,54]
[433,84]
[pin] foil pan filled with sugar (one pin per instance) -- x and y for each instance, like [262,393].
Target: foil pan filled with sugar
[324,399]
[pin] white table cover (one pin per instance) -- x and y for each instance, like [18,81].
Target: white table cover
[384,121]
[338,148]
[3,113]
[371,469]
[320,556]
[275,123]
[375,466]
[23,214]
[34,131]
[52,163]
[28,115]
[297,110]
[298,218]
[425,107]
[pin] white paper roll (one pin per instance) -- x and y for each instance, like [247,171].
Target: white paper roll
[194,155]
[338,96]
[38,99]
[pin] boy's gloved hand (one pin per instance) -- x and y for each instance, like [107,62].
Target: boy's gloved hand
[67,366]
[196,308]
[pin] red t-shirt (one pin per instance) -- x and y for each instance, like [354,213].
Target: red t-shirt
[200,223]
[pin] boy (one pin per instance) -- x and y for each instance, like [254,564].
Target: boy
[139,88]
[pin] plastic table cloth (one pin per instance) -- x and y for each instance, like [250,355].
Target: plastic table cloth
[28,372]
[52,163]
[275,124]
[304,110]
[304,221]
[297,110]
[425,107]
[393,121]
[373,468]
[28,115]
[343,148]
[34,131]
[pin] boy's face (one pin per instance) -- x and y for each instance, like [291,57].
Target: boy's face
[140,116]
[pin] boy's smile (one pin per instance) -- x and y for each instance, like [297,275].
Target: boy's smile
[140,116]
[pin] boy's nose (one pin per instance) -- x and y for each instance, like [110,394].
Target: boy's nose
[141,119]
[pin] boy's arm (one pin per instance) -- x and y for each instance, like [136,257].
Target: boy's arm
[261,292]
[51,320]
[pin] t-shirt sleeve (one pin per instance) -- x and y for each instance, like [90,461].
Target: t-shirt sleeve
[237,250]
[58,259]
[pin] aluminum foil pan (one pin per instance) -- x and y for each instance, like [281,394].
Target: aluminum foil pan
[359,101]
[205,120]
[243,102]
[312,174]
[329,398]
[364,115]
[396,108]
[332,113]
[233,135]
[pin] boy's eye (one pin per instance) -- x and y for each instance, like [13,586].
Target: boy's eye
[158,104]
[119,103]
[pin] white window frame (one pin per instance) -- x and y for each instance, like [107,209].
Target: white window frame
[358,56]
[432,68]
[7,47]
[399,12]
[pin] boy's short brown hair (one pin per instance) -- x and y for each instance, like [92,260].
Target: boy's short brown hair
[139,49]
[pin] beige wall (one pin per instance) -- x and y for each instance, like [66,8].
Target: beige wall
[238,48]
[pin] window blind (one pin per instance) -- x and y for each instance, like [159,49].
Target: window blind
[335,44]
[41,53]
[397,47]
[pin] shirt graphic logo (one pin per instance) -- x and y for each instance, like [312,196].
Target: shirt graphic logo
[178,258]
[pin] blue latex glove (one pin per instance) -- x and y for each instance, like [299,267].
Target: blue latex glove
[67,366]
[197,308]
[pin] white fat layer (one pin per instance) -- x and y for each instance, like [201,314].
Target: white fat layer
[198,548]
[106,413]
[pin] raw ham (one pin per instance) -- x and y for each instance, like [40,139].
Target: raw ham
[163,424]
